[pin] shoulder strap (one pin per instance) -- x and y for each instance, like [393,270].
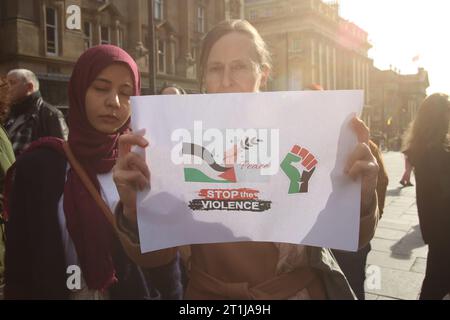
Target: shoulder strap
[89,185]
[41,127]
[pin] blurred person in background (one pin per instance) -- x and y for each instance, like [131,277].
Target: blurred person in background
[6,160]
[427,146]
[30,117]
[171,89]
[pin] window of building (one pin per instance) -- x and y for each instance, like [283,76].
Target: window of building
[268,13]
[253,14]
[201,19]
[53,69]
[191,70]
[87,31]
[51,30]
[120,37]
[320,7]
[105,37]
[3,14]
[172,57]
[295,81]
[159,9]
[296,45]
[161,48]
[194,54]
[145,39]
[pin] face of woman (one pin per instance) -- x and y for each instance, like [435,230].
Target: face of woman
[232,66]
[108,99]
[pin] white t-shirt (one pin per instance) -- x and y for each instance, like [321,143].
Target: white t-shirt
[111,196]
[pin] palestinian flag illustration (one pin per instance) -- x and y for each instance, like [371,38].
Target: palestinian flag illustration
[209,171]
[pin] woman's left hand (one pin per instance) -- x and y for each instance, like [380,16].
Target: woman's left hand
[362,163]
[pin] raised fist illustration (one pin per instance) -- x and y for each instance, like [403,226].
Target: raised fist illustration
[299,181]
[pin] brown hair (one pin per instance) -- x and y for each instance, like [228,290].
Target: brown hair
[227,27]
[430,127]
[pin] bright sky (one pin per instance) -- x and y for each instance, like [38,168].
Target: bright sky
[402,29]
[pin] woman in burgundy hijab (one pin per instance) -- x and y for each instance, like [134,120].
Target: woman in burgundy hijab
[60,244]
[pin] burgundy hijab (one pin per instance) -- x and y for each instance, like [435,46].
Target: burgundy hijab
[97,152]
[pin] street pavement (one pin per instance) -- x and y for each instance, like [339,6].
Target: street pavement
[397,262]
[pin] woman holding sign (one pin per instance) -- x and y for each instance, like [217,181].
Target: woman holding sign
[235,59]
[61,242]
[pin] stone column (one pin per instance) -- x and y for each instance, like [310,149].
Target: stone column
[97,30]
[354,73]
[320,65]
[313,61]
[116,32]
[334,69]
[328,75]
[135,41]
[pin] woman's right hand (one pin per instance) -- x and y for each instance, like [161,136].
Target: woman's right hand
[130,173]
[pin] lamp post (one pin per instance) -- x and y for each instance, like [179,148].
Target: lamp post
[151,50]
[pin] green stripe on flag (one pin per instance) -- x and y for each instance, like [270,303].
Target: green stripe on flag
[195,175]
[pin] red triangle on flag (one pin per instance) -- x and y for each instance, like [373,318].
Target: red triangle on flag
[229,175]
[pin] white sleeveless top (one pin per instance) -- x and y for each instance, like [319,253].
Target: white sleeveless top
[111,196]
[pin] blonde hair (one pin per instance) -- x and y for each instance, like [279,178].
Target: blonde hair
[227,27]
[430,127]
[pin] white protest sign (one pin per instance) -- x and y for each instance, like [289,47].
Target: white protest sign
[249,167]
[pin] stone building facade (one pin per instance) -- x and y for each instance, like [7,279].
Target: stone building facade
[34,35]
[396,99]
[312,44]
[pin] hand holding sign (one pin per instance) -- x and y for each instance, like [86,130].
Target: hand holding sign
[130,173]
[362,163]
